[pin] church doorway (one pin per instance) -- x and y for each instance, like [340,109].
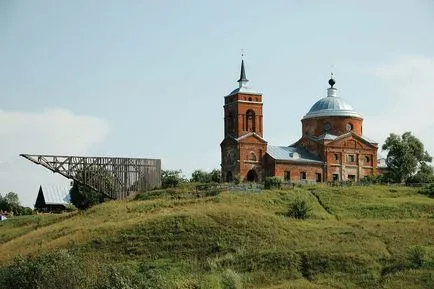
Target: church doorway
[252,176]
[229,177]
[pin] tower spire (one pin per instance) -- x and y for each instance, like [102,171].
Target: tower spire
[243,79]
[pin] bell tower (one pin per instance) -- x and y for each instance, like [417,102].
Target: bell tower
[243,146]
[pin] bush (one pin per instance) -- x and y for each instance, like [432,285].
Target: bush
[49,271]
[428,190]
[83,197]
[231,280]
[199,176]
[299,209]
[171,178]
[70,208]
[416,257]
[272,182]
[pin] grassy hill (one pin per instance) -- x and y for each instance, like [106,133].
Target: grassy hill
[356,237]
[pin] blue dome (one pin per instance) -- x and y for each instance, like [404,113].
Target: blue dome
[331,106]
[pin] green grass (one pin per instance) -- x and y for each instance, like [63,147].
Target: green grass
[355,237]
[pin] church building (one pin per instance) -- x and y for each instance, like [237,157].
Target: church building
[332,145]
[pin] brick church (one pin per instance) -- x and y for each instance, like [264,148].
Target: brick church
[332,145]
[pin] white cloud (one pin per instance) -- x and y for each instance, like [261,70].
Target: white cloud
[55,131]
[409,96]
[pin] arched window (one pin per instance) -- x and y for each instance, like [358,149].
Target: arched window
[250,120]
[252,156]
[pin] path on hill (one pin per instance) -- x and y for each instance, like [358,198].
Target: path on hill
[325,207]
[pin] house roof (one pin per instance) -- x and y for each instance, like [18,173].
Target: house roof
[56,195]
[293,154]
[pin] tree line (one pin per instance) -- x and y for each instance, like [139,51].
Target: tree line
[10,203]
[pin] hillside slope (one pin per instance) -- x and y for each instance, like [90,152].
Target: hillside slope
[356,237]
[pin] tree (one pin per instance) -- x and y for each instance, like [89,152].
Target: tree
[199,176]
[84,197]
[171,178]
[405,156]
[11,203]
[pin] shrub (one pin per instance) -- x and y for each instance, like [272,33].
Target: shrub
[71,208]
[428,190]
[53,270]
[171,178]
[272,182]
[416,257]
[231,280]
[112,278]
[299,209]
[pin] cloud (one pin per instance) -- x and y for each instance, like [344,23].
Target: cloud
[408,99]
[55,131]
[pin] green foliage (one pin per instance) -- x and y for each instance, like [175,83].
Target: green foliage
[299,209]
[428,190]
[111,277]
[405,155]
[50,271]
[199,176]
[11,203]
[171,178]
[425,175]
[416,256]
[356,237]
[372,179]
[272,182]
[82,197]
[71,208]
[231,280]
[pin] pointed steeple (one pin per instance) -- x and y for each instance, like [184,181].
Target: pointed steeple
[243,79]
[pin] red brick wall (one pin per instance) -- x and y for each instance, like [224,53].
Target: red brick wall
[238,105]
[295,170]
[364,163]
[246,164]
[315,126]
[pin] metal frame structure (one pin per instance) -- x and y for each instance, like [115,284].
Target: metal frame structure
[116,178]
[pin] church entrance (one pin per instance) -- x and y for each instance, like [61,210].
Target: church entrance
[229,178]
[252,176]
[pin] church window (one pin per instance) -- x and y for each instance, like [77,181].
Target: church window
[367,159]
[250,120]
[327,127]
[252,157]
[302,175]
[286,176]
[318,177]
[250,99]
[335,177]
[350,126]
[335,157]
[351,158]
[351,178]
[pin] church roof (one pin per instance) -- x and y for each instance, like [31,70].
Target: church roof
[292,153]
[331,106]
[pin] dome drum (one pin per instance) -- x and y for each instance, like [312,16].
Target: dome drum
[336,125]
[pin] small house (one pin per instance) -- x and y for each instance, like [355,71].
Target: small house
[52,199]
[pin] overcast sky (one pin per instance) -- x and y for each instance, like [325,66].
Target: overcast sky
[147,78]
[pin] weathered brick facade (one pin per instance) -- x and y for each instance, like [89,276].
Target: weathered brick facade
[332,146]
